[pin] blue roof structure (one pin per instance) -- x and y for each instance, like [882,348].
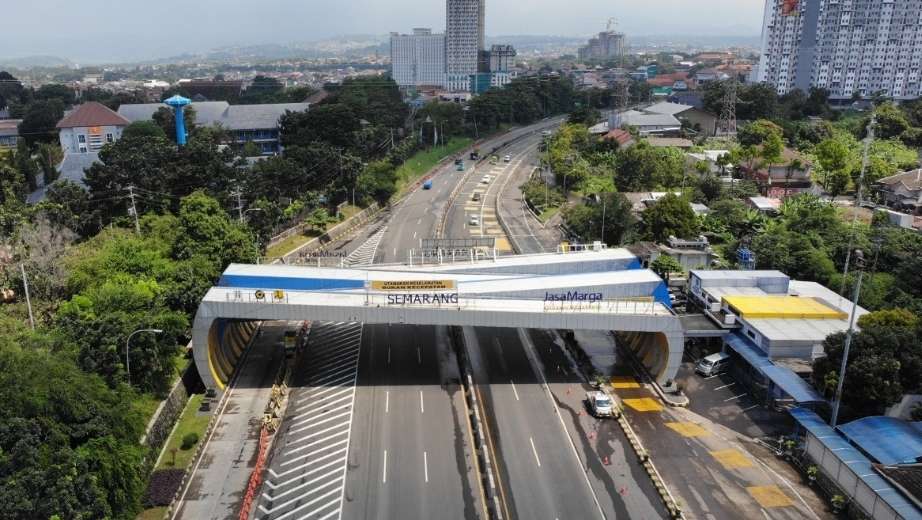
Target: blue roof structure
[784,378]
[856,461]
[885,439]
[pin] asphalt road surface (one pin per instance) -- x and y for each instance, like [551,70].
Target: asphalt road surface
[411,442]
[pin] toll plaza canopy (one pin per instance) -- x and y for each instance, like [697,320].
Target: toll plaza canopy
[595,290]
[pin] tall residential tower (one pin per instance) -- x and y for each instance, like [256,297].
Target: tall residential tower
[464,39]
[418,59]
[844,46]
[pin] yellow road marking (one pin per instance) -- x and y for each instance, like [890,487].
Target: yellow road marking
[731,459]
[688,429]
[503,245]
[643,404]
[624,382]
[769,496]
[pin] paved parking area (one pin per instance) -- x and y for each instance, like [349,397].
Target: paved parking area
[726,401]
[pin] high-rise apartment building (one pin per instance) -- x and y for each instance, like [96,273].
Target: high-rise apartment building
[418,59]
[608,45]
[844,46]
[464,39]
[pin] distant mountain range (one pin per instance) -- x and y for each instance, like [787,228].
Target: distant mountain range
[28,62]
[354,46]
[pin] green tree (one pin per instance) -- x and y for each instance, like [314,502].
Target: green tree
[665,265]
[331,123]
[205,230]
[670,216]
[40,121]
[143,129]
[378,181]
[586,220]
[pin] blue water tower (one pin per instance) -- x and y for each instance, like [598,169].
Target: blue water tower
[178,104]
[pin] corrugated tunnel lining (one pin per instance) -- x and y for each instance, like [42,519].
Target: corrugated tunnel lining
[651,348]
[227,339]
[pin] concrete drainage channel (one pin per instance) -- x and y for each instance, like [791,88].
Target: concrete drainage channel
[487,471]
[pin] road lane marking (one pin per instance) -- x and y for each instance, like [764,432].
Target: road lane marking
[687,429]
[419,356]
[422,409]
[387,402]
[769,496]
[624,382]
[384,472]
[426,467]
[731,459]
[534,451]
[725,386]
[643,404]
[388,355]
[735,397]
[414,235]
[514,390]
[749,408]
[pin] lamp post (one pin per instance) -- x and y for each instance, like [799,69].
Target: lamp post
[128,345]
[859,266]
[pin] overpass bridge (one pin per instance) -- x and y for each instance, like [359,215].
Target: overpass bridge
[588,290]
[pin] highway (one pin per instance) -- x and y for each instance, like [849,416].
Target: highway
[376,426]
[411,455]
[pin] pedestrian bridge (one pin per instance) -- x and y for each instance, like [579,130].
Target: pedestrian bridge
[596,290]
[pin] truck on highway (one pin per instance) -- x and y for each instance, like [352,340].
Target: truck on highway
[601,404]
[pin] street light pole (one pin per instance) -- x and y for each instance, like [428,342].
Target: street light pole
[128,345]
[859,266]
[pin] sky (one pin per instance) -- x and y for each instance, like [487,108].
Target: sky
[112,30]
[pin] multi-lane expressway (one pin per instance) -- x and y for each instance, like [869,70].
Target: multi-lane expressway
[388,426]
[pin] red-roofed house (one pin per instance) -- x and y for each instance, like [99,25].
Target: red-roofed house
[88,127]
[622,137]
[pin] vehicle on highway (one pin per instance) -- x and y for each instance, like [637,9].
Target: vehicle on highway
[474,220]
[475,155]
[459,160]
[427,185]
[486,179]
[601,404]
[713,364]
[507,158]
[494,159]
[460,167]
[476,196]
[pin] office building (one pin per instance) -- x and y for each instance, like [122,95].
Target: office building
[464,39]
[257,124]
[843,46]
[418,59]
[88,127]
[608,45]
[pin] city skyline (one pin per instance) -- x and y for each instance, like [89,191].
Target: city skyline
[111,32]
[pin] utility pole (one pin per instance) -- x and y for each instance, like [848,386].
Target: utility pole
[25,283]
[859,264]
[239,208]
[864,169]
[134,210]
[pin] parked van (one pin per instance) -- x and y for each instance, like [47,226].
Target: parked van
[713,364]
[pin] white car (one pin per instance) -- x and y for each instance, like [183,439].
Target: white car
[486,179]
[507,158]
[474,220]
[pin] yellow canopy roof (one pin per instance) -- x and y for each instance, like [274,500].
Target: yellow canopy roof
[782,307]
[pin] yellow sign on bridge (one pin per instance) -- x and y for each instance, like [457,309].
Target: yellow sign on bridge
[413,285]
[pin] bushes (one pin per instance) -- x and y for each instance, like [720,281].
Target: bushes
[162,487]
[189,440]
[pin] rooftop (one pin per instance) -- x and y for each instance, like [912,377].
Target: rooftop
[231,117]
[92,114]
[774,306]
[9,127]
[666,107]
[887,440]
[912,179]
